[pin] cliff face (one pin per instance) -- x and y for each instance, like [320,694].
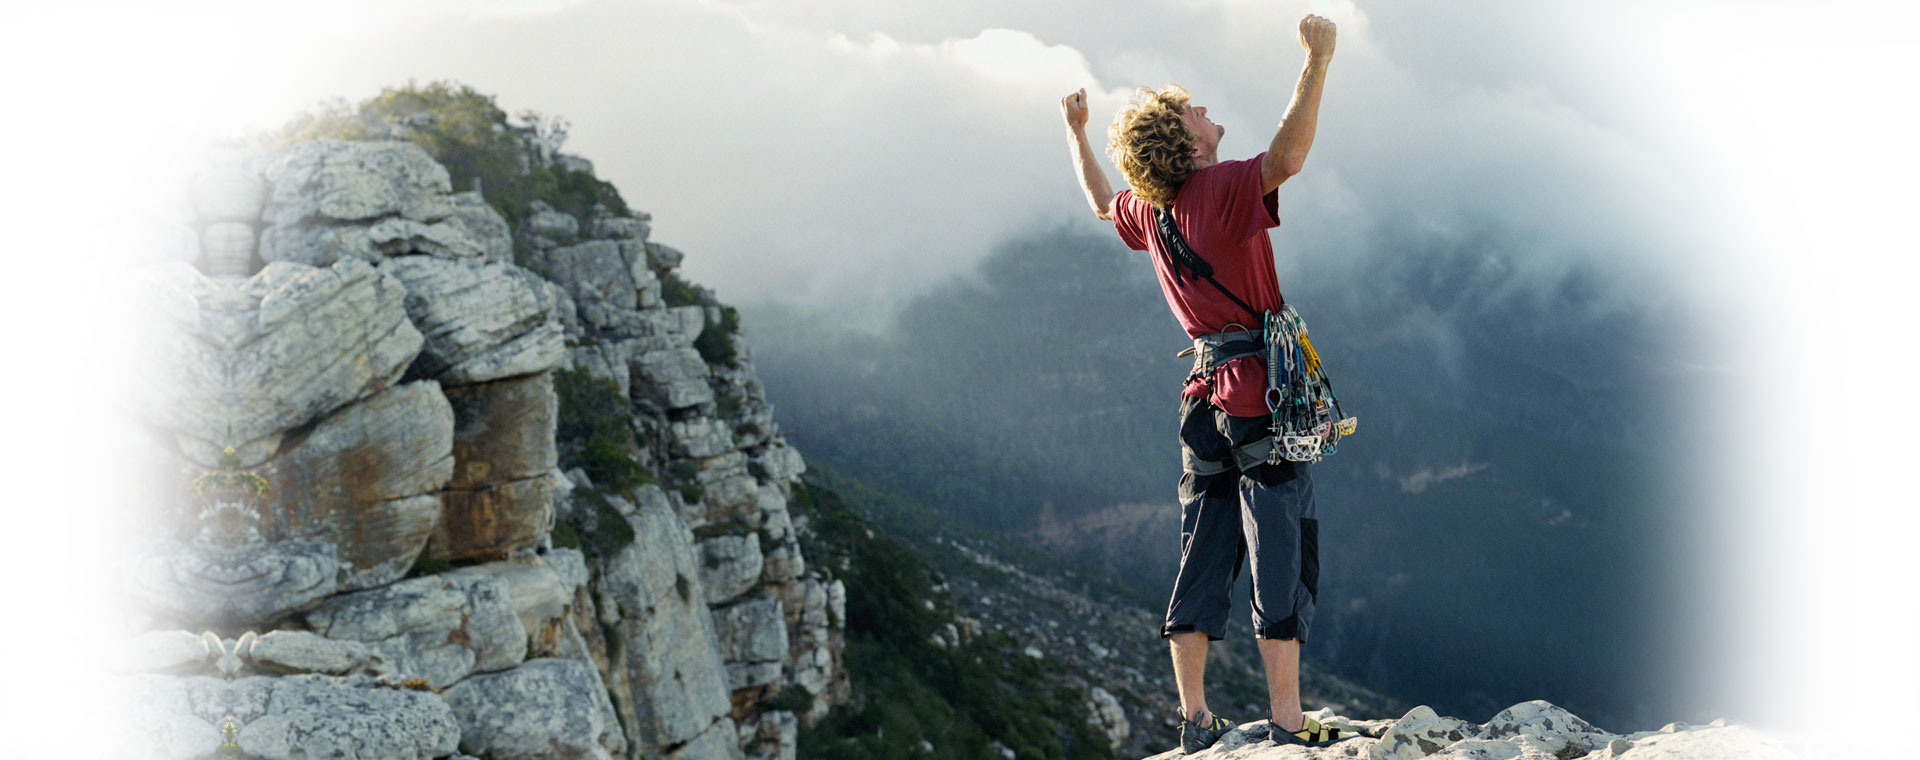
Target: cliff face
[426,490]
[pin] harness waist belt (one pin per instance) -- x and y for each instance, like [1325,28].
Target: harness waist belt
[1211,350]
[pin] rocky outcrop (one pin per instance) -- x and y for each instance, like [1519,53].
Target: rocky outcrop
[545,708]
[438,628]
[1534,730]
[238,362]
[284,718]
[480,321]
[360,493]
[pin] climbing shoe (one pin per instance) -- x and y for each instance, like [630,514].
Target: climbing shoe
[1195,737]
[1311,734]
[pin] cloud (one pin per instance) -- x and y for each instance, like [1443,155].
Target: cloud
[1428,477]
[856,153]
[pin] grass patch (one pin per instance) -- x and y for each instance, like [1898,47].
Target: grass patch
[595,431]
[602,530]
[716,343]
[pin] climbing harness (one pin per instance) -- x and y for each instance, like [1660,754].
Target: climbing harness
[1307,421]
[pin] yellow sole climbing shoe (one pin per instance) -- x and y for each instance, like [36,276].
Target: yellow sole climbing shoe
[1310,735]
[1195,737]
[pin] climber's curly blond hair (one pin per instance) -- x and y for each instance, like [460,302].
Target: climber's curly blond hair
[1152,145]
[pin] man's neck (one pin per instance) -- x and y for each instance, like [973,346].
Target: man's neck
[1202,161]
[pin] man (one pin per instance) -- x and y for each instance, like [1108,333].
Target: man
[1233,502]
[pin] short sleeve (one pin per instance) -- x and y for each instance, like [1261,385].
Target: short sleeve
[1246,210]
[1130,220]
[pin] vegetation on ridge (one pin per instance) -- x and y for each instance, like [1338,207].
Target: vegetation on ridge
[595,433]
[960,698]
[469,134]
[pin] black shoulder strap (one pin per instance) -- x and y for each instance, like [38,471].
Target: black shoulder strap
[1180,254]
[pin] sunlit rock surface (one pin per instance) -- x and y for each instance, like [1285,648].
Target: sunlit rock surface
[361,539]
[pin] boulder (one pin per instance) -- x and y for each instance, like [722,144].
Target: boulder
[672,378]
[352,718]
[1419,733]
[350,181]
[1547,723]
[664,257]
[363,480]
[548,708]
[280,718]
[238,361]
[1105,715]
[308,652]
[438,628]
[480,321]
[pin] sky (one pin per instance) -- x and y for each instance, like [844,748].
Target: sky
[1748,156]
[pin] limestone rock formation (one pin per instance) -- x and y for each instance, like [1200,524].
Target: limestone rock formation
[673,662]
[284,718]
[363,480]
[481,321]
[358,496]
[239,361]
[542,709]
[439,628]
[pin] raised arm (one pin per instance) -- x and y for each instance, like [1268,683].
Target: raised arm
[1093,179]
[1290,143]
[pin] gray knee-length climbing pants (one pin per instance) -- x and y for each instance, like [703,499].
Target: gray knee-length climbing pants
[1235,506]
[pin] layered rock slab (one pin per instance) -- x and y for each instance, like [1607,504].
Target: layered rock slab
[238,361]
[363,480]
[481,321]
[673,667]
[437,628]
[549,709]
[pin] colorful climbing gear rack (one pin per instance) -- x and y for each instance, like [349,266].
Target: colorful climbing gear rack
[1307,420]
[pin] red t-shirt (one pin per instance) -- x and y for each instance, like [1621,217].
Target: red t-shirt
[1224,218]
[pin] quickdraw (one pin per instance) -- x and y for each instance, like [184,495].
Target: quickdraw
[1307,420]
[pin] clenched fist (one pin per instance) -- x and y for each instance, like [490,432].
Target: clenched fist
[1316,35]
[1073,108]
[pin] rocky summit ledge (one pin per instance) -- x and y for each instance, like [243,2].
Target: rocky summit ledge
[1534,730]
